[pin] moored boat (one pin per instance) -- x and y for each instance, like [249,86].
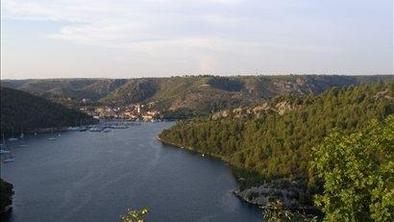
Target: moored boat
[8,160]
[107,130]
[4,151]
[13,139]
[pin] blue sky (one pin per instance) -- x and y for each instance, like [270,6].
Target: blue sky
[126,39]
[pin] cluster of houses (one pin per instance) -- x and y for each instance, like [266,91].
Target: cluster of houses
[134,112]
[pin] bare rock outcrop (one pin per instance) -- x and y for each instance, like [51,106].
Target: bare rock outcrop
[288,192]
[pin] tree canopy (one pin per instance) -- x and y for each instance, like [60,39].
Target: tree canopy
[358,173]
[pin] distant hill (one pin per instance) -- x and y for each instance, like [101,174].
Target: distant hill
[21,111]
[202,94]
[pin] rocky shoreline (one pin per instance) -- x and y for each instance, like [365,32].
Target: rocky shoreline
[289,193]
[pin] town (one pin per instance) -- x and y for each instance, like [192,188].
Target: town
[132,112]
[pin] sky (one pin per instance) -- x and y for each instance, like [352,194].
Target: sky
[141,38]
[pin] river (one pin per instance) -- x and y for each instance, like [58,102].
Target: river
[92,176]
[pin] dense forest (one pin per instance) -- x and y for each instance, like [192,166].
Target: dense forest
[178,95]
[23,112]
[278,143]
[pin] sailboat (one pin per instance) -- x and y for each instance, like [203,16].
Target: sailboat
[13,139]
[106,130]
[4,151]
[21,137]
[8,156]
[3,147]
[82,128]
[52,138]
[9,159]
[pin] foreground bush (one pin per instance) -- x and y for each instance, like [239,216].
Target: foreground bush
[135,215]
[358,174]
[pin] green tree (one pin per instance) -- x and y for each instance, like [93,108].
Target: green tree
[276,212]
[358,174]
[135,215]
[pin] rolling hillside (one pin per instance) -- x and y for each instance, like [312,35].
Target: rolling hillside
[203,94]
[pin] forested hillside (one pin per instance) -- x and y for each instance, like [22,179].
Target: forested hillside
[274,140]
[200,94]
[23,112]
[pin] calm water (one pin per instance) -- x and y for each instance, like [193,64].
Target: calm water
[86,176]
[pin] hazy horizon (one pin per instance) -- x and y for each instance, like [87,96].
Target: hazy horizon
[144,38]
[196,75]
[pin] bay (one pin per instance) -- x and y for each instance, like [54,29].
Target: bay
[91,176]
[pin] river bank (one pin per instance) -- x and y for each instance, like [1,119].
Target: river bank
[192,150]
[290,192]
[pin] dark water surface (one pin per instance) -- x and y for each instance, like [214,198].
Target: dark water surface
[86,176]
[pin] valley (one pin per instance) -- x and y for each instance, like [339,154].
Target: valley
[269,137]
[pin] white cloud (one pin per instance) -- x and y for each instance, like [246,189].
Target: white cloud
[120,23]
[204,34]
